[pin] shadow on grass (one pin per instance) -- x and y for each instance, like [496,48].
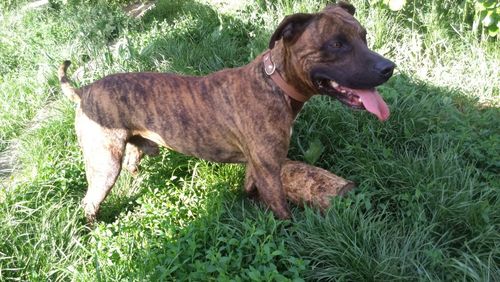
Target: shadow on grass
[429,173]
[434,164]
[158,173]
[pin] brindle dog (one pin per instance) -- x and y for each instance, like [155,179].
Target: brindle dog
[239,115]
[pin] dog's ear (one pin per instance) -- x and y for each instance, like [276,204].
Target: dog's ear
[347,6]
[341,4]
[290,28]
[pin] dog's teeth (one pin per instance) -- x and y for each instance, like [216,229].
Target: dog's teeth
[334,84]
[343,91]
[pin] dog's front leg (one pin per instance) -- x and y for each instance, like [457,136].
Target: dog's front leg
[265,176]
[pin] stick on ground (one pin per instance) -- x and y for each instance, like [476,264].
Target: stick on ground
[314,186]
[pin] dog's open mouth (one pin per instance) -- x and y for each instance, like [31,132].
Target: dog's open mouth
[365,99]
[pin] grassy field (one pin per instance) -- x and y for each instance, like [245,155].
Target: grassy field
[427,206]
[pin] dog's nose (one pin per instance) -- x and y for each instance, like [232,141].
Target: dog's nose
[385,68]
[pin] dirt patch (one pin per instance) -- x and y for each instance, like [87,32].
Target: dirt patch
[36,4]
[138,10]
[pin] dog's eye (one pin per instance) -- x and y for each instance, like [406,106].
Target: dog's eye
[336,44]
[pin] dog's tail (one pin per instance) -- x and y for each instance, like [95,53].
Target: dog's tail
[72,93]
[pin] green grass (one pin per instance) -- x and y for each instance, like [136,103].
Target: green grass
[427,203]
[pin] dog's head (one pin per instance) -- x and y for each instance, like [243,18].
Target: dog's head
[331,51]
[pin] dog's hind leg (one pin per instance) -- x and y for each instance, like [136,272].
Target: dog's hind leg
[133,155]
[102,166]
[134,150]
[103,152]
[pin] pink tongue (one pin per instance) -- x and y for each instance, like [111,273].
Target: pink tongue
[373,102]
